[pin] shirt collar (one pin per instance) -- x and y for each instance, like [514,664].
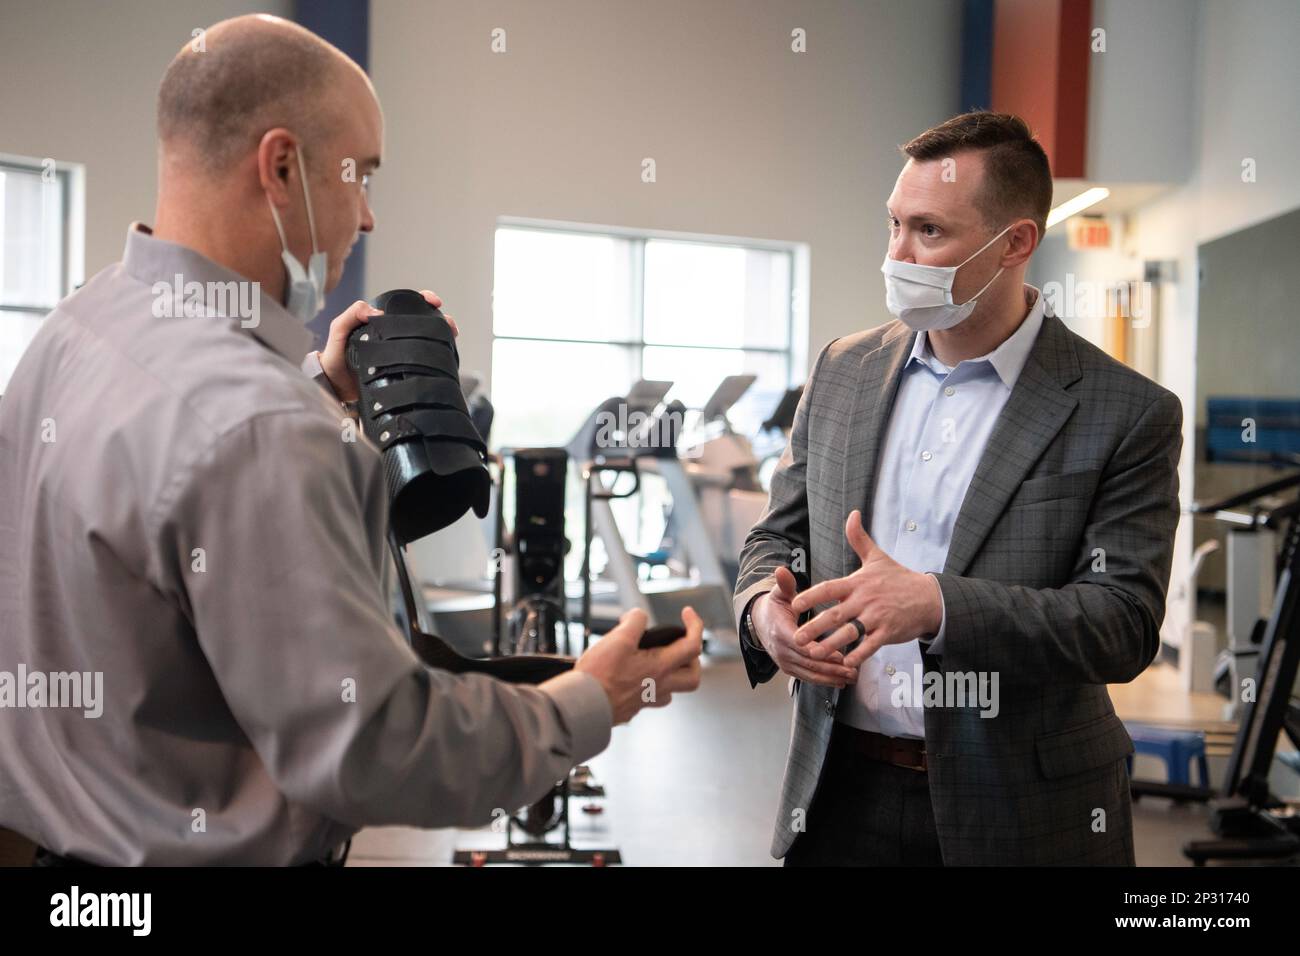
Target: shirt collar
[1009,358]
[155,261]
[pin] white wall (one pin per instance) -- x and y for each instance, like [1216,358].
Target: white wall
[1246,100]
[1141,91]
[80,82]
[749,138]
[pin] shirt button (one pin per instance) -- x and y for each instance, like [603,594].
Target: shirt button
[890,670]
[926,456]
[911,526]
[830,707]
[949,390]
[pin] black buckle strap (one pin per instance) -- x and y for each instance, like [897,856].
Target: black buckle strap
[432,423]
[406,327]
[420,391]
[374,359]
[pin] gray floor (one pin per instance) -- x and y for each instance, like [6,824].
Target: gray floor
[696,784]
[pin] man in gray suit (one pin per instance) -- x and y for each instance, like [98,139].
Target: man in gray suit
[968,536]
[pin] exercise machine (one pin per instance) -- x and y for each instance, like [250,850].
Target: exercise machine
[1253,555]
[1249,822]
[722,473]
[711,474]
[537,622]
[627,437]
[774,434]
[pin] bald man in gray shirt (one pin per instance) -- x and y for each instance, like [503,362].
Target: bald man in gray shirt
[202,663]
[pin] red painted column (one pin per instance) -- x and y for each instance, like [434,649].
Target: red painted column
[1041,50]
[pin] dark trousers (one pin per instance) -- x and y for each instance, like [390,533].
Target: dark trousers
[867,813]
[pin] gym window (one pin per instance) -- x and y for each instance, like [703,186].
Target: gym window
[580,313]
[40,248]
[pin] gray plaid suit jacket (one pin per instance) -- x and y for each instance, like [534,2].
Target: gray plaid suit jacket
[1055,579]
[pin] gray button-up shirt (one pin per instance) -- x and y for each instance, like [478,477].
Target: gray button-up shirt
[198,663]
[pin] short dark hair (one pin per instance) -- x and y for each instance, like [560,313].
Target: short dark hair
[1017,176]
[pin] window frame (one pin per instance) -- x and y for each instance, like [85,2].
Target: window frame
[71,185]
[795,351]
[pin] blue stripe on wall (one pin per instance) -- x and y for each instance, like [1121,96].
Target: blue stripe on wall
[976,54]
[346,24]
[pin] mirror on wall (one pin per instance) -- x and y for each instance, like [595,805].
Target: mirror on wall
[1247,404]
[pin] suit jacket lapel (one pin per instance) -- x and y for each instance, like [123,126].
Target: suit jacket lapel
[1035,411]
[879,373]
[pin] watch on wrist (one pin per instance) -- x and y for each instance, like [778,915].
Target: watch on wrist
[751,635]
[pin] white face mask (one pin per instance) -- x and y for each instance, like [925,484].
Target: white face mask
[921,296]
[305,295]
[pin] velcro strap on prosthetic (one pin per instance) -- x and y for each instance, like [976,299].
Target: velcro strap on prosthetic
[418,392]
[435,423]
[420,356]
[410,327]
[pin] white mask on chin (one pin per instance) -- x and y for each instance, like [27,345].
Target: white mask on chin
[921,296]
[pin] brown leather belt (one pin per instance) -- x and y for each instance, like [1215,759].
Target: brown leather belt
[906,752]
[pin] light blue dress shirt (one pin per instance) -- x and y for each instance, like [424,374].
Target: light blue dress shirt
[941,421]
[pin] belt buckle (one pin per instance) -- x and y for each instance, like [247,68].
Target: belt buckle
[899,755]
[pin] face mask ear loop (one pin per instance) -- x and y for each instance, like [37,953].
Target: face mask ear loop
[986,286]
[996,274]
[284,244]
[985,246]
[311,220]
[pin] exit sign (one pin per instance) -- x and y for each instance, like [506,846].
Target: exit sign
[1089,232]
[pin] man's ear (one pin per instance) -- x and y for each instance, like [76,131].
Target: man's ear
[1024,240]
[276,166]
